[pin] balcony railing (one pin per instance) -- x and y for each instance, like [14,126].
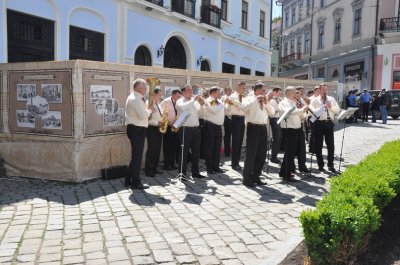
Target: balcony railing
[185,7]
[291,57]
[157,2]
[390,24]
[211,15]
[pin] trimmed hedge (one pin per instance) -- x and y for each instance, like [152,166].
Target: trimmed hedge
[339,228]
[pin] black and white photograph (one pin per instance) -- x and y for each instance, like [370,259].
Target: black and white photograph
[107,106]
[52,120]
[52,93]
[114,119]
[98,92]
[25,119]
[25,91]
[37,106]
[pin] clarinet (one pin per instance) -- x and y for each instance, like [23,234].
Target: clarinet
[302,104]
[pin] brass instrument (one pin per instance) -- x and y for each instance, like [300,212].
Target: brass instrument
[152,82]
[164,120]
[200,99]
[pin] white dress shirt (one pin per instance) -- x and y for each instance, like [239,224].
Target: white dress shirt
[171,107]
[193,107]
[136,111]
[214,112]
[155,116]
[235,109]
[254,113]
[317,103]
[227,112]
[293,120]
[275,103]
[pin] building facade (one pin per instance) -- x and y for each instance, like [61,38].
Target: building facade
[387,74]
[330,40]
[210,35]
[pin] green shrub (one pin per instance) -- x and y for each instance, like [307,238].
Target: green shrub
[339,228]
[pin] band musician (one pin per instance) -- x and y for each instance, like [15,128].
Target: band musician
[192,131]
[257,109]
[227,124]
[323,127]
[137,119]
[171,138]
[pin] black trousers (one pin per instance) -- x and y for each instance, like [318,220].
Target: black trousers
[301,149]
[311,143]
[276,137]
[154,138]
[290,137]
[192,142]
[212,140]
[324,129]
[256,152]
[137,136]
[237,138]
[170,147]
[228,135]
[365,110]
[202,145]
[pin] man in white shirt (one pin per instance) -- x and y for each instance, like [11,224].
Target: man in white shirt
[137,119]
[275,128]
[291,127]
[257,110]
[317,91]
[234,106]
[171,139]
[227,124]
[192,131]
[213,121]
[301,141]
[154,137]
[324,126]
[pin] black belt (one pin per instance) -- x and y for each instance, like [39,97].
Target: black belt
[211,123]
[325,120]
[254,124]
[237,117]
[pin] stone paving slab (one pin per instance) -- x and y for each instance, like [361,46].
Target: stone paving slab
[211,221]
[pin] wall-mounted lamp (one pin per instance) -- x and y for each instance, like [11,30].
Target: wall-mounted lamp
[160,51]
[200,60]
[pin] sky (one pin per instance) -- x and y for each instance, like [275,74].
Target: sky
[276,10]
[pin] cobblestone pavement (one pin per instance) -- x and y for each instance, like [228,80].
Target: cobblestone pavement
[212,221]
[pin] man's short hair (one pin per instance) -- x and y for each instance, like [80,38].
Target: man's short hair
[138,81]
[184,87]
[176,90]
[213,89]
[258,85]
[241,83]
[226,88]
[299,87]
[289,88]
[317,87]
[276,88]
[157,90]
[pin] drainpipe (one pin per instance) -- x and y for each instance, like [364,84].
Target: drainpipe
[311,40]
[374,47]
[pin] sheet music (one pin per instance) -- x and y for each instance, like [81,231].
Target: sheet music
[182,119]
[284,116]
[345,114]
[317,114]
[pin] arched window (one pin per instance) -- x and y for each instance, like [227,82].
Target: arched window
[174,54]
[335,73]
[142,56]
[205,66]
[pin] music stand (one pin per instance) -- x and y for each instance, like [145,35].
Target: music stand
[343,116]
[179,124]
[284,117]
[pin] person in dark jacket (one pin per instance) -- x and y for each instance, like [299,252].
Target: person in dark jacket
[374,107]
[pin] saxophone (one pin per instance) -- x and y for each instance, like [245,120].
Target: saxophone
[164,120]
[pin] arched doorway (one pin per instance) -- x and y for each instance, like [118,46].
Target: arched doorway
[142,56]
[174,54]
[205,66]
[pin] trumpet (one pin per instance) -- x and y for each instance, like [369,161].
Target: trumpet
[200,99]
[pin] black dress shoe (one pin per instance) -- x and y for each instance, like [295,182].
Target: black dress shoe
[151,175]
[199,176]
[168,168]
[249,185]
[174,167]
[332,169]
[275,160]
[290,179]
[260,183]
[158,171]
[321,169]
[140,186]
[127,184]
[237,168]
[210,172]
[219,170]
[305,170]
